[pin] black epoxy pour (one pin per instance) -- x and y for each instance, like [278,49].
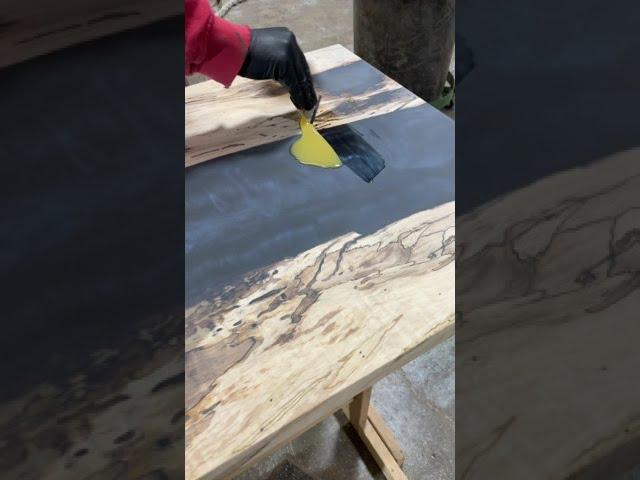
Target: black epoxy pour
[353,79]
[252,208]
[354,151]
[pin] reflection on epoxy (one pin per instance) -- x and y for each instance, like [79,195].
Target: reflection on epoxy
[354,151]
[312,149]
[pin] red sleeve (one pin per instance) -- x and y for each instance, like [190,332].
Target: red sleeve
[213,45]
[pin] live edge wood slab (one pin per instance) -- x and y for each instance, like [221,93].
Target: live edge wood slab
[271,356]
[30,29]
[547,294]
[221,121]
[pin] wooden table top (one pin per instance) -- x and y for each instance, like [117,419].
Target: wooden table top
[276,352]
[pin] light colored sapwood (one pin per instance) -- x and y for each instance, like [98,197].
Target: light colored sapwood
[547,333]
[220,121]
[275,354]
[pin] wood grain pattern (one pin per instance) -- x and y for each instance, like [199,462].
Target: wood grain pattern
[120,415]
[270,357]
[383,436]
[546,339]
[220,121]
[377,446]
[29,29]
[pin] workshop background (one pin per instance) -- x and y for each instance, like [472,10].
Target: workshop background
[416,401]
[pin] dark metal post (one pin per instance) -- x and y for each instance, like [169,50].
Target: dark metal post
[409,40]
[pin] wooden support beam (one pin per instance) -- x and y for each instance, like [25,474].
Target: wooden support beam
[359,414]
[384,432]
[381,453]
[359,409]
[386,435]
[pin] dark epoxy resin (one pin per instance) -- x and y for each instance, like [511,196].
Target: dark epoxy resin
[354,151]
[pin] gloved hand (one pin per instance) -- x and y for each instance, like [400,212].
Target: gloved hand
[274,54]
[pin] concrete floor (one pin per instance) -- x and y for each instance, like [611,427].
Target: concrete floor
[416,401]
[316,23]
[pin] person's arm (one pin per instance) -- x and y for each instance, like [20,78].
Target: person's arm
[221,50]
[214,46]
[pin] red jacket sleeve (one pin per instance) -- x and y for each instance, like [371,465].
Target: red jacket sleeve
[213,46]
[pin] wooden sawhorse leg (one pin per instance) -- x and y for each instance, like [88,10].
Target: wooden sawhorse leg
[376,435]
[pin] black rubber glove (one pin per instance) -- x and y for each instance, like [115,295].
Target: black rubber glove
[274,54]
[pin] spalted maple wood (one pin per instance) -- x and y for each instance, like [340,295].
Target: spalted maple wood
[377,437]
[29,29]
[275,354]
[220,121]
[547,334]
[119,415]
